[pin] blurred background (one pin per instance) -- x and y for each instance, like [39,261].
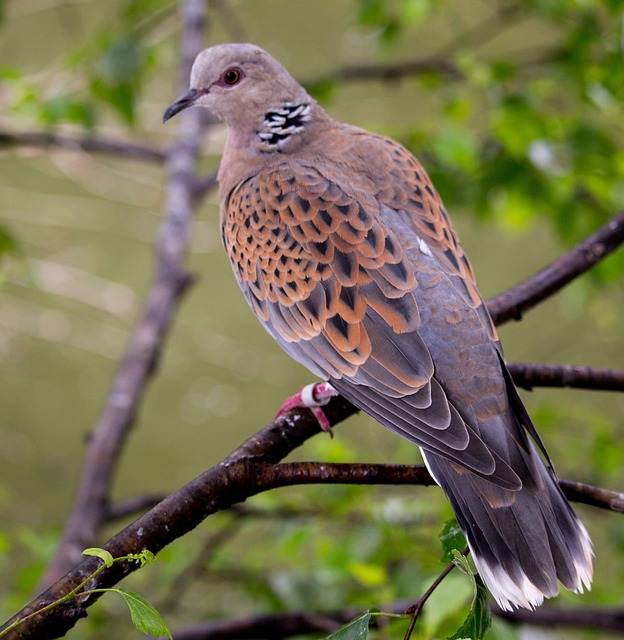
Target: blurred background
[518,118]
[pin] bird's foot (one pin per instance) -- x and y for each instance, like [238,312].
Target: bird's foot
[312,396]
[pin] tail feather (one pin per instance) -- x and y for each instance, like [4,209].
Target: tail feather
[524,544]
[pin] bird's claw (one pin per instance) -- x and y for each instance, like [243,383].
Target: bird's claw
[312,396]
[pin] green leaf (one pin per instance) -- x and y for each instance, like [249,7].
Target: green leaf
[479,619]
[117,74]
[322,90]
[368,573]
[370,12]
[7,241]
[102,554]
[414,12]
[64,108]
[461,562]
[146,557]
[144,616]
[452,539]
[457,148]
[357,629]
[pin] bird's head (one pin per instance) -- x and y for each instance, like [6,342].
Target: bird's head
[237,83]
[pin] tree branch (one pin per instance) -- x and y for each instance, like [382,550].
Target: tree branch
[392,72]
[594,496]
[529,375]
[287,625]
[142,354]
[139,151]
[594,619]
[511,304]
[272,626]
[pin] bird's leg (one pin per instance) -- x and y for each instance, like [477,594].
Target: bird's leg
[312,396]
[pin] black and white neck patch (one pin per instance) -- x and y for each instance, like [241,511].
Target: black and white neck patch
[280,123]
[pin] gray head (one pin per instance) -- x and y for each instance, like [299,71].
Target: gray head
[239,83]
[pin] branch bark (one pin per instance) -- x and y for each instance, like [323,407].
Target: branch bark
[529,375]
[90,143]
[287,625]
[511,304]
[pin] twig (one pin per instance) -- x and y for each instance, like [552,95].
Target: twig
[529,375]
[185,578]
[96,144]
[483,32]
[594,496]
[271,626]
[416,609]
[392,72]
[577,618]
[296,473]
[295,623]
[511,304]
[290,624]
[132,506]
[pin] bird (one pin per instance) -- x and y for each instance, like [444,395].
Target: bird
[346,254]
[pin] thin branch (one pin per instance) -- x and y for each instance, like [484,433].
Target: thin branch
[230,21]
[529,375]
[594,496]
[142,354]
[290,624]
[183,581]
[483,32]
[96,144]
[302,473]
[394,71]
[511,304]
[391,71]
[577,618]
[295,473]
[272,626]
[132,507]
[417,608]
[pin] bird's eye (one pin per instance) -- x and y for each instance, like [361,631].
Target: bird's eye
[232,76]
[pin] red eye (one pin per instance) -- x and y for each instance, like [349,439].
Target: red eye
[232,76]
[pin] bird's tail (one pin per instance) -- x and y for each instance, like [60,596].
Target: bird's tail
[522,542]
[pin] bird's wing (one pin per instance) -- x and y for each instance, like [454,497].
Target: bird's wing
[341,275]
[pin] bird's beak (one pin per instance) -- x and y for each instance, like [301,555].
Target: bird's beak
[183,102]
